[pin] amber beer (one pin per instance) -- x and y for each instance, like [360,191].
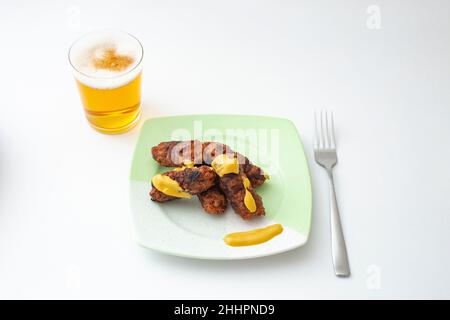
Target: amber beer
[107,67]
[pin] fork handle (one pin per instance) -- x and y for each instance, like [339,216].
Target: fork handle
[338,248]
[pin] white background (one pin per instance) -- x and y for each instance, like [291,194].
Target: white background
[65,226]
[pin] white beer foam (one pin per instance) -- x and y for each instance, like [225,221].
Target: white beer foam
[84,51]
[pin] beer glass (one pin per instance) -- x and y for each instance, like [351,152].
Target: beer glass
[107,67]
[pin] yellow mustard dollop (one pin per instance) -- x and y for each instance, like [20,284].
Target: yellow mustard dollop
[169,186]
[252,237]
[246,183]
[223,165]
[249,201]
[186,164]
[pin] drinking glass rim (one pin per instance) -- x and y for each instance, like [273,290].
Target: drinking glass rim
[100,31]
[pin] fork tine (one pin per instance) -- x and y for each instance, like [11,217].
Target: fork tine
[320,133]
[323,129]
[332,139]
[327,130]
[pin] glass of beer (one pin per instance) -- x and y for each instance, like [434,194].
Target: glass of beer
[107,66]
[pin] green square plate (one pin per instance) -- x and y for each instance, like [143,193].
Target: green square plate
[181,227]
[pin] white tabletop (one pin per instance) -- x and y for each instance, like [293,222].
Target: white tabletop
[65,225]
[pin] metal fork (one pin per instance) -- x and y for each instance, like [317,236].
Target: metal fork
[325,155]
